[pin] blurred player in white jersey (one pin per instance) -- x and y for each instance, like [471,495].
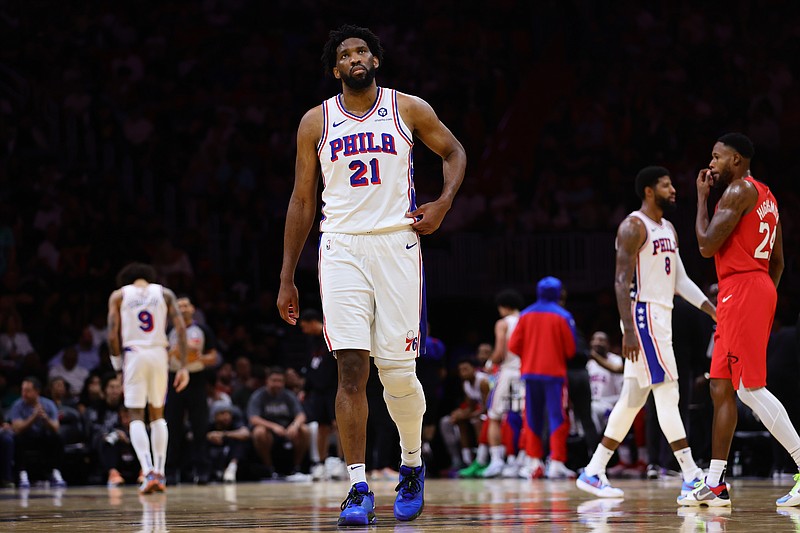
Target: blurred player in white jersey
[137,327]
[509,381]
[649,272]
[370,263]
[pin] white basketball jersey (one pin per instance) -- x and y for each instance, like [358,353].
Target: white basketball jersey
[512,360]
[367,167]
[473,390]
[143,314]
[654,279]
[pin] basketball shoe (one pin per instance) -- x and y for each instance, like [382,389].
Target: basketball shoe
[793,497]
[558,470]
[358,509]
[688,486]
[532,469]
[475,470]
[410,493]
[150,484]
[702,494]
[598,485]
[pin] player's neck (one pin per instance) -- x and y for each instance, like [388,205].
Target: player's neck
[359,101]
[141,283]
[653,212]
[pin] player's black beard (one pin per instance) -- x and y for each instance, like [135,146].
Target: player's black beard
[360,83]
[666,205]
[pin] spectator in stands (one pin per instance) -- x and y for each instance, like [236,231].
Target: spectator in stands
[69,370]
[6,453]
[92,393]
[69,419]
[277,418]
[14,343]
[117,457]
[34,420]
[227,438]
[319,402]
[102,419]
[88,353]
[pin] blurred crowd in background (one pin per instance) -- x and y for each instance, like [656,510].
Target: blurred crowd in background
[164,132]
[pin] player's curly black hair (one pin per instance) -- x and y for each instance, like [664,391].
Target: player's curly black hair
[346,31]
[133,271]
[648,177]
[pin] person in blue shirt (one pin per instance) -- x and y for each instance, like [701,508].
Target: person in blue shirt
[34,420]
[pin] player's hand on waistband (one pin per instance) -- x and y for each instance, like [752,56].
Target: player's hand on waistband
[181,379]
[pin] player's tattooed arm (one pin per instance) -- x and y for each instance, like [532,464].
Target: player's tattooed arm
[114,343]
[177,322]
[630,238]
[738,199]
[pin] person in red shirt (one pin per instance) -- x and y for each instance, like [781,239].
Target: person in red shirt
[544,339]
[744,237]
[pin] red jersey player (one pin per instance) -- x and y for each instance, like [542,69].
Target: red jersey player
[744,237]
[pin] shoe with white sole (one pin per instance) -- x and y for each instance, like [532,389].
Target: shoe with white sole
[598,485]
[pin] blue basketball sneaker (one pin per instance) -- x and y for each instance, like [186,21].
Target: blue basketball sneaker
[358,509]
[689,486]
[410,491]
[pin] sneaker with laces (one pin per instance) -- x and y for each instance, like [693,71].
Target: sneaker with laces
[358,509]
[702,494]
[115,479]
[689,486]
[410,493]
[793,497]
[598,485]
[558,470]
[475,470]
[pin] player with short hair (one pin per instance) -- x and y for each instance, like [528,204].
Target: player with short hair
[137,327]
[370,263]
[649,272]
[744,237]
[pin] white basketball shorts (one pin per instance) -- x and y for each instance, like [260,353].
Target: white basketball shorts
[144,376]
[656,363]
[371,288]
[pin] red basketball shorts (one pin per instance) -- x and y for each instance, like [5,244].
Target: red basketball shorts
[745,309]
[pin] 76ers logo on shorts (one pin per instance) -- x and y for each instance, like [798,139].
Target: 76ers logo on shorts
[412,341]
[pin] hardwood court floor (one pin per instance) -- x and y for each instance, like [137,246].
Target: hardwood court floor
[451,505]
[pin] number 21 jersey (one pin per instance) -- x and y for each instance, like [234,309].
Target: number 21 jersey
[367,168]
[749,247]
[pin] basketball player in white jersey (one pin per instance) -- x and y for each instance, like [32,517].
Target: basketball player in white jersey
[370,263]
[649,272]
[508,303]
[137,327]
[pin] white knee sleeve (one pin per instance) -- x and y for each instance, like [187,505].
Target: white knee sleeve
[405,401]
[772,414]
[666,396]
[631,400]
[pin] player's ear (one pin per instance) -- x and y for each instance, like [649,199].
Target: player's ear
[375,62]
[336,73]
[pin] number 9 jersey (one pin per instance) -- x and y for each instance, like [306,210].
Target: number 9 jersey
[749,247]
[143,316]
